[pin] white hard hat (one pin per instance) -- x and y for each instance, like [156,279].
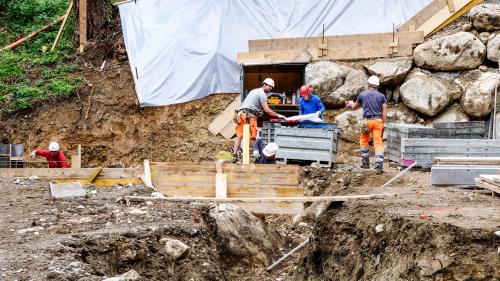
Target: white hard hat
[269,82]
[54,146]
[373,80]
[270,149]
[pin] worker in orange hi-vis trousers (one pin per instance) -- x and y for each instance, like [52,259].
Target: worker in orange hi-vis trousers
[374,106]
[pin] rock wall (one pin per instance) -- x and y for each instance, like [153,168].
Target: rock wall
[449,78]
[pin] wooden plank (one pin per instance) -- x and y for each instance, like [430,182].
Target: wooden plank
[147,174]
[94,174]
[225,117]
[424,15]
[83,173]
[229,131]
[335,53]
[101,182]
[62,27]
[467,160]
[444,17]
[246,144]
[228,167]
[348,41]
[451,6]
[83,24]
[302,199]
[74,161]
[79,159]
[221,189]
[486,185]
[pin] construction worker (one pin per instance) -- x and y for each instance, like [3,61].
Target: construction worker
[254,106]
[54,155]
[264,154]
[310,103]
[374,106]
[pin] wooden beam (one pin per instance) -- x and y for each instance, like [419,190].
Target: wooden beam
[424,15]
[24,39]
[333,42]
[92,177]
[229,130]
[220,184]
[62,26]
[83,24]
[482,183]
[56,173]
[334,53]
[147,174]
[79,154]
[443,16]
[304,199]
[225,117]
[467,160]
[451,6]
[246,144]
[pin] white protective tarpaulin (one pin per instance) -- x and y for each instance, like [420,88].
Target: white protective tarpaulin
[181,50]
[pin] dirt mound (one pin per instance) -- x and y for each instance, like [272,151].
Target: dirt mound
[113,131]
[371,245]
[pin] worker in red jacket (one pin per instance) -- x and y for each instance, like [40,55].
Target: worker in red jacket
[55,157]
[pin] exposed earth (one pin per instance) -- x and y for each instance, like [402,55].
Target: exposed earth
[425,233]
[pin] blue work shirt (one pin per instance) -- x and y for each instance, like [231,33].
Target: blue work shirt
[372,101]
[312,105]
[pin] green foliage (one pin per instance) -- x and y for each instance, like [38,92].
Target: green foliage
[29,75]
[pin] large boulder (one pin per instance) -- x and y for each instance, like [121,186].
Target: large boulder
[425,94]
[401,114]
[486,17]
[391,71]
[349,122]
[493,47]
[452,113]
[335,83]
[244,239]
[460,51]
[479,90]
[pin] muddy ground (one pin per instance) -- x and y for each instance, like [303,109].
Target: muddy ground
[423,234]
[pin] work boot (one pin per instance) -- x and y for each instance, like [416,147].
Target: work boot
[235,158]
[379,163]
[365,158]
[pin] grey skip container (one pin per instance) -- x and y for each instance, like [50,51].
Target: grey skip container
[309,144]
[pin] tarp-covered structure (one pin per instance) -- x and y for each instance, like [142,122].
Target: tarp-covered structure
[181,50]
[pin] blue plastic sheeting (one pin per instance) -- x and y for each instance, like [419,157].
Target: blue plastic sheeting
[181,50]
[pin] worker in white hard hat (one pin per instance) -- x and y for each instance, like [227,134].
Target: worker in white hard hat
[264,154]
[254,106]
[54,155]
[374,106]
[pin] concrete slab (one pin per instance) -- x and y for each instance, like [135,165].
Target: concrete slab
[67,190]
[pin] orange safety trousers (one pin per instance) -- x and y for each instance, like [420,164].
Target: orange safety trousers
[376,128]
[252,121]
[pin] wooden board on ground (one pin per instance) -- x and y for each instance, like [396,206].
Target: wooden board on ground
[225,118]
[198,179]
[107,177]
[487,182]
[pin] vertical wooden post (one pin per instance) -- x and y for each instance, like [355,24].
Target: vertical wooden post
[79,156]
[147,174]
[220,184]
[246,144]
[83,24]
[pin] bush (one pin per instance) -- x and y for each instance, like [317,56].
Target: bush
[27,74]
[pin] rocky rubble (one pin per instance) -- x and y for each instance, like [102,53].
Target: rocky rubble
[485,17]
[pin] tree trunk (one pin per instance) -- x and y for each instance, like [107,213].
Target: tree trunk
[99,15]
